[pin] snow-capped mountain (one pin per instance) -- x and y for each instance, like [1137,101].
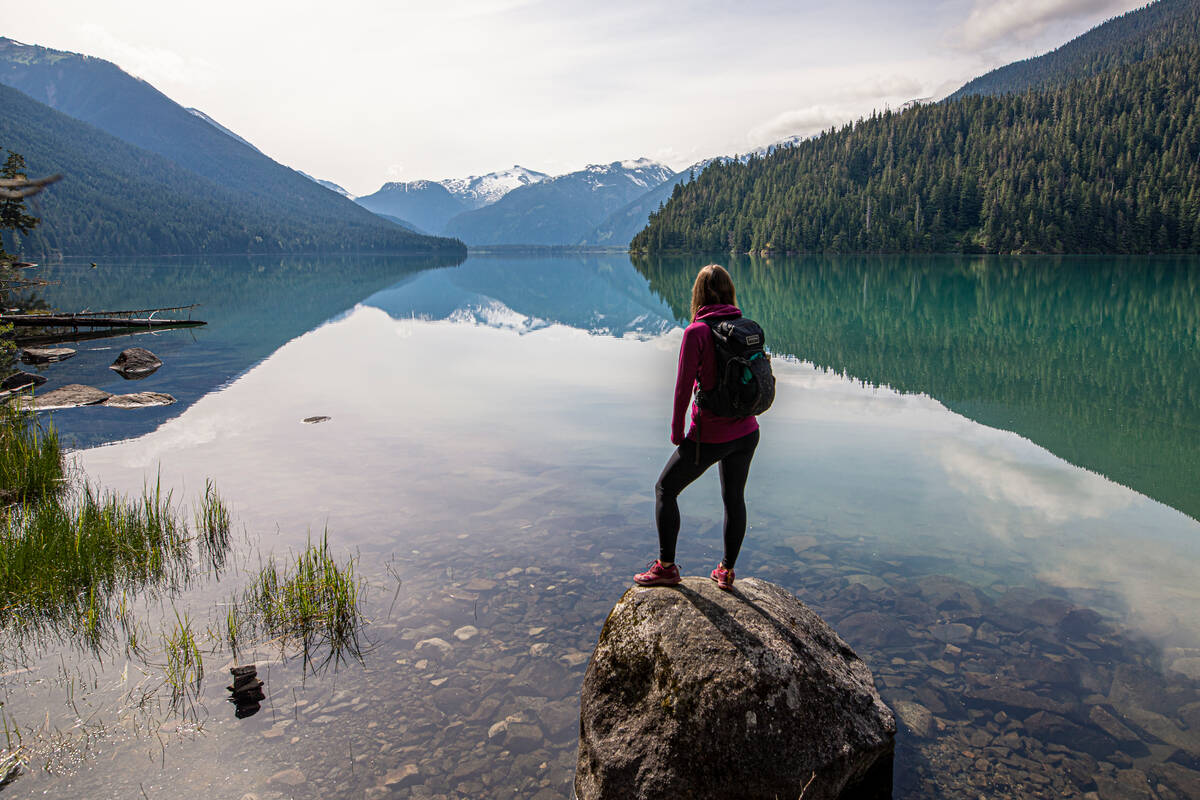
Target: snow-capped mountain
[477,191]
[560,210]
[640,172]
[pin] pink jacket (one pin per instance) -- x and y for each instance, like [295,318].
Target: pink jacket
[698,367]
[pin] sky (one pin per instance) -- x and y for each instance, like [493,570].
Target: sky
[362,92]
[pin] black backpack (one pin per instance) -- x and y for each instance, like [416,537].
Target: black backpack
[745,384]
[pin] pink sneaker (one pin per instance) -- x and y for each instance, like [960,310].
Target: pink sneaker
[658,575]
[723,577]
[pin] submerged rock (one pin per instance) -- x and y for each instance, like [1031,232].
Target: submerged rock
[21,380]
[698,693]
[135,363]
[71,396]
[139,400]
[290,778]
[45,355]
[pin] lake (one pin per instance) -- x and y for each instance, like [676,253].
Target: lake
[980,471]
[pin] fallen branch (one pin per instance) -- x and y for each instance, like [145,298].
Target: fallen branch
[20,188]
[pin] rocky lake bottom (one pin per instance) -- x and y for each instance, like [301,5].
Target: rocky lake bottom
[1014,562]
[469,685]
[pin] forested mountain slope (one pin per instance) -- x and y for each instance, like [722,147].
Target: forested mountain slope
[1135,36]
[99,93]
[1107,164]
[117,199]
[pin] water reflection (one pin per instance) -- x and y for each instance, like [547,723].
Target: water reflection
[1095,359]
[599,294]
[1021,611]
[253,305]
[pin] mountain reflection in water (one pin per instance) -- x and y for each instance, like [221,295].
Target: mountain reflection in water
[1095,359]
[494,431]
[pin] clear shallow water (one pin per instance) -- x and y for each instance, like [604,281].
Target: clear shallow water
[495,432]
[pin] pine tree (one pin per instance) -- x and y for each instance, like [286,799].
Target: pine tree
[12,209]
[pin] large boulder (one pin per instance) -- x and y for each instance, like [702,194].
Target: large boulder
[698,693]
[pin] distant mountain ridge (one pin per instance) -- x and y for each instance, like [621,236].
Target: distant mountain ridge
[426,204]
[118,199]
[1126,39]
[195,112]
[330,185]
[560,210]
[99,93]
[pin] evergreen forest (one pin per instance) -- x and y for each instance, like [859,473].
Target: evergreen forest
[118,199]
[1108,163]
[1129,38]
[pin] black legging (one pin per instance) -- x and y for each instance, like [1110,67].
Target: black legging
[682,468]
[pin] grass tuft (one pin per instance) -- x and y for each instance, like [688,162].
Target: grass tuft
[212,526]
[71,561]
[312,602]
[30,456]
[185,666]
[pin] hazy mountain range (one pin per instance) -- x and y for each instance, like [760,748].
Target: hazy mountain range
[600,205]
[146,175]
[520,206]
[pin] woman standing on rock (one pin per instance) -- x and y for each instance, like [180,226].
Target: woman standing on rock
[712,439]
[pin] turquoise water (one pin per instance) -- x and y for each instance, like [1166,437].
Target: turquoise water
[980,471]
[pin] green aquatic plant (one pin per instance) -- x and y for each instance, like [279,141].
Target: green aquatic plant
[30,457]
[212,526]
[184,668]
[70,561]
[312,603]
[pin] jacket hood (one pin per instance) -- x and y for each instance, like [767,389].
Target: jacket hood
[718,310]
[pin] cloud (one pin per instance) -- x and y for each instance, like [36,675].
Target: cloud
[993,23]
[854,100]
[798,122]
[1008,473]
[149,62]
[884,86]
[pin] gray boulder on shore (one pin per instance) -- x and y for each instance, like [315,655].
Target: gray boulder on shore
[698,693]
